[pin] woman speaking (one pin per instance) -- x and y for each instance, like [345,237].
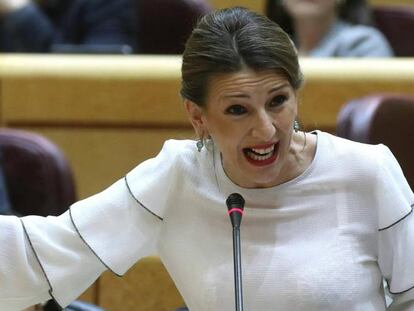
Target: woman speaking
[326,220]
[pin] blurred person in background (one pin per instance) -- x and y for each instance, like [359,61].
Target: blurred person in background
[56,25]
[329,28]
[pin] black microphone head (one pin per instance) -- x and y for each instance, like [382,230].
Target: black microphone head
[235,200]
[235,206]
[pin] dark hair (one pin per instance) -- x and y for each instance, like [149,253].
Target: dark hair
[351,11]
[228,40]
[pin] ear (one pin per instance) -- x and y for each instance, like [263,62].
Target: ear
[197,118]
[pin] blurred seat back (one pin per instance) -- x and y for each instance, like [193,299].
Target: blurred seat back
[38,178]
[165,25]
[382,118]
[397,24]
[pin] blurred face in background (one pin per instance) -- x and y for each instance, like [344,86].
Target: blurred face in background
[310,9]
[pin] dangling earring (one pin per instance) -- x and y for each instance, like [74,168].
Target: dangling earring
[296,126]
[200,144]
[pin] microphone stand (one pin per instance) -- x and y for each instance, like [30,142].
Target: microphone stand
[235,206]
[237,269]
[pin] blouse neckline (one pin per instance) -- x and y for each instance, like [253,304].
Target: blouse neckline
[263,195]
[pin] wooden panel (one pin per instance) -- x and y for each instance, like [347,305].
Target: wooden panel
[90,294]
[91,89]
[329,83]
[85,101]
[145,287]
[256,5]
[126,92]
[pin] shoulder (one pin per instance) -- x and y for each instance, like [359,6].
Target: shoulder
[177,147]
[360,41]
[177,163]
[355,162]
[182,151]
[173,155]
[348,150]
[373,171]
[395,197]
[153,182]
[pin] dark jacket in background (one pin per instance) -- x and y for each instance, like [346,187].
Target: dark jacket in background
[38,28]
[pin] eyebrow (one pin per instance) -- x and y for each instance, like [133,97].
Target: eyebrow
[272,90]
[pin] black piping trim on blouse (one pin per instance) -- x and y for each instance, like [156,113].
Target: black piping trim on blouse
[147,209]
[86,243]
[381,229]
[398,293]
[40,263]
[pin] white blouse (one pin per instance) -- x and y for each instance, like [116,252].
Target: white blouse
[322,241]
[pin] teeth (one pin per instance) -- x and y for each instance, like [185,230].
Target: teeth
[264,151]
[259,157]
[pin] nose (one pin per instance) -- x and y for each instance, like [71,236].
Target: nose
[263,128]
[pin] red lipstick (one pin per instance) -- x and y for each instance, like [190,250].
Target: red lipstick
[262,155]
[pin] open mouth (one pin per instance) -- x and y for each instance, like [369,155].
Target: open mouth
[262,155]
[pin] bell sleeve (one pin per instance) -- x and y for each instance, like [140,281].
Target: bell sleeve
[396,232]
[59,257]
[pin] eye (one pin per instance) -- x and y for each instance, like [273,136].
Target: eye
[236,110]
[278,100]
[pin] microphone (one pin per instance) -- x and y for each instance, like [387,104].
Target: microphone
[235,206]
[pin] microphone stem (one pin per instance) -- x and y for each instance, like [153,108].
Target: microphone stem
[237,269]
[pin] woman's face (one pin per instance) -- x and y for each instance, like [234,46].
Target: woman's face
[249,115]
[310,8]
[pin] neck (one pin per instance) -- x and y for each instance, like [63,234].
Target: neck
[310,32]
[301,154]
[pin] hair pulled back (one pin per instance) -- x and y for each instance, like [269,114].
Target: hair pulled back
[229,40]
